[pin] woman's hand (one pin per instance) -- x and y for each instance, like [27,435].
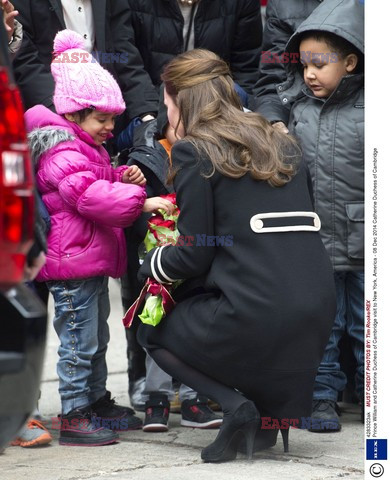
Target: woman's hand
[156,203]
[134,176]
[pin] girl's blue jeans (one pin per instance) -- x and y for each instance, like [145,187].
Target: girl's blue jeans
[82,308]
[330,380]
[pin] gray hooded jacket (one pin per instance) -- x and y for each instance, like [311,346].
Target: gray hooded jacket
[331,134]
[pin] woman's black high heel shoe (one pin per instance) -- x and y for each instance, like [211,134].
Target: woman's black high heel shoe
[284,432]
[266,438]
[244,422]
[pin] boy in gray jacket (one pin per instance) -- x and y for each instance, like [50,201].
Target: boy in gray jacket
[325,84]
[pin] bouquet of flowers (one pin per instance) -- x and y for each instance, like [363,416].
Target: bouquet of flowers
[162,230]
[163,227]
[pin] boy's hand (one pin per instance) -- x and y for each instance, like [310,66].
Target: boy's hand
[280,126]
[156,203]
[134,175]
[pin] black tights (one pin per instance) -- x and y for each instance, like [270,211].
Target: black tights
[228,398]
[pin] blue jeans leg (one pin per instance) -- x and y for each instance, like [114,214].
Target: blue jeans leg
[330,379]
[81,311]
[98,377]
[355,324]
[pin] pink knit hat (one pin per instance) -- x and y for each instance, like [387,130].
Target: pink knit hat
[80,82]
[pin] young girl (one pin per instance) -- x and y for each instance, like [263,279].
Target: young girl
[253,338]
[89,203]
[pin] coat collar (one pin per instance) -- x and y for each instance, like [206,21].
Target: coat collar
[348,86]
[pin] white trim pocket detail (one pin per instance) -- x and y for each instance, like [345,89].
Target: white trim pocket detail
[257,224]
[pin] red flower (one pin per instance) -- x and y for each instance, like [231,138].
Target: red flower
[158,221]
[171,197]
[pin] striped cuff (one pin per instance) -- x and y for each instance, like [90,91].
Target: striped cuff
[157,269]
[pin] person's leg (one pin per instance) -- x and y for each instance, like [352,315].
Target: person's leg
[241,417]
[75,321]
[98,377]
[355,324]
[76,324]
[136,370]
[156,381]
[330,379]
[157,394]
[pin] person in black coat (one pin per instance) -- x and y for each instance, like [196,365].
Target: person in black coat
[42,20]
[257,304]
[282,19]
[230,28]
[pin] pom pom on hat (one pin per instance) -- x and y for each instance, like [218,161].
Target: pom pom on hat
[80,81]
[67,40]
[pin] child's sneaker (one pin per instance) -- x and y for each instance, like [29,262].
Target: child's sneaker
[156,414]
[81,428]
[32,435]
[113,416]
[196,413]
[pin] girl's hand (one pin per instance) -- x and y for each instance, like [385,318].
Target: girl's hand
[134,175]
[156,203]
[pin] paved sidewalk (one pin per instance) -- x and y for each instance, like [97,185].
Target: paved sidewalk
[175,455]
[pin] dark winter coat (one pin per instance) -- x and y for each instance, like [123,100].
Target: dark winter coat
[41,20]
[331,134]
[151,157]
[282,19]
[230,28]
[264,316]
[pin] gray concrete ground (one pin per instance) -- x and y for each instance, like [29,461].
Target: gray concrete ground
[175,455]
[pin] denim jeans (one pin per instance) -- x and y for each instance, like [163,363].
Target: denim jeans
[82,308]
[330,380]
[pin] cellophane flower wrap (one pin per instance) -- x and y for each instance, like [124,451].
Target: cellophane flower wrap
[162,230]
[162,227]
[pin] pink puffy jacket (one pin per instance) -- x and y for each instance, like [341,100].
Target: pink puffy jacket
[85,198]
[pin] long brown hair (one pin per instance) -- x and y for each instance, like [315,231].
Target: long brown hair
[236,142]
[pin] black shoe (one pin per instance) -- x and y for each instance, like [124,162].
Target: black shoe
[196,413]
[325,417]
[156,413]
[243,423]
[266,438]
[78,428]
[113,416]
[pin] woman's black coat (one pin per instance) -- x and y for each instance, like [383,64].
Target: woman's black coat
[267,307]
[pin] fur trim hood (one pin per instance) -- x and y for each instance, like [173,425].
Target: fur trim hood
[43,139]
